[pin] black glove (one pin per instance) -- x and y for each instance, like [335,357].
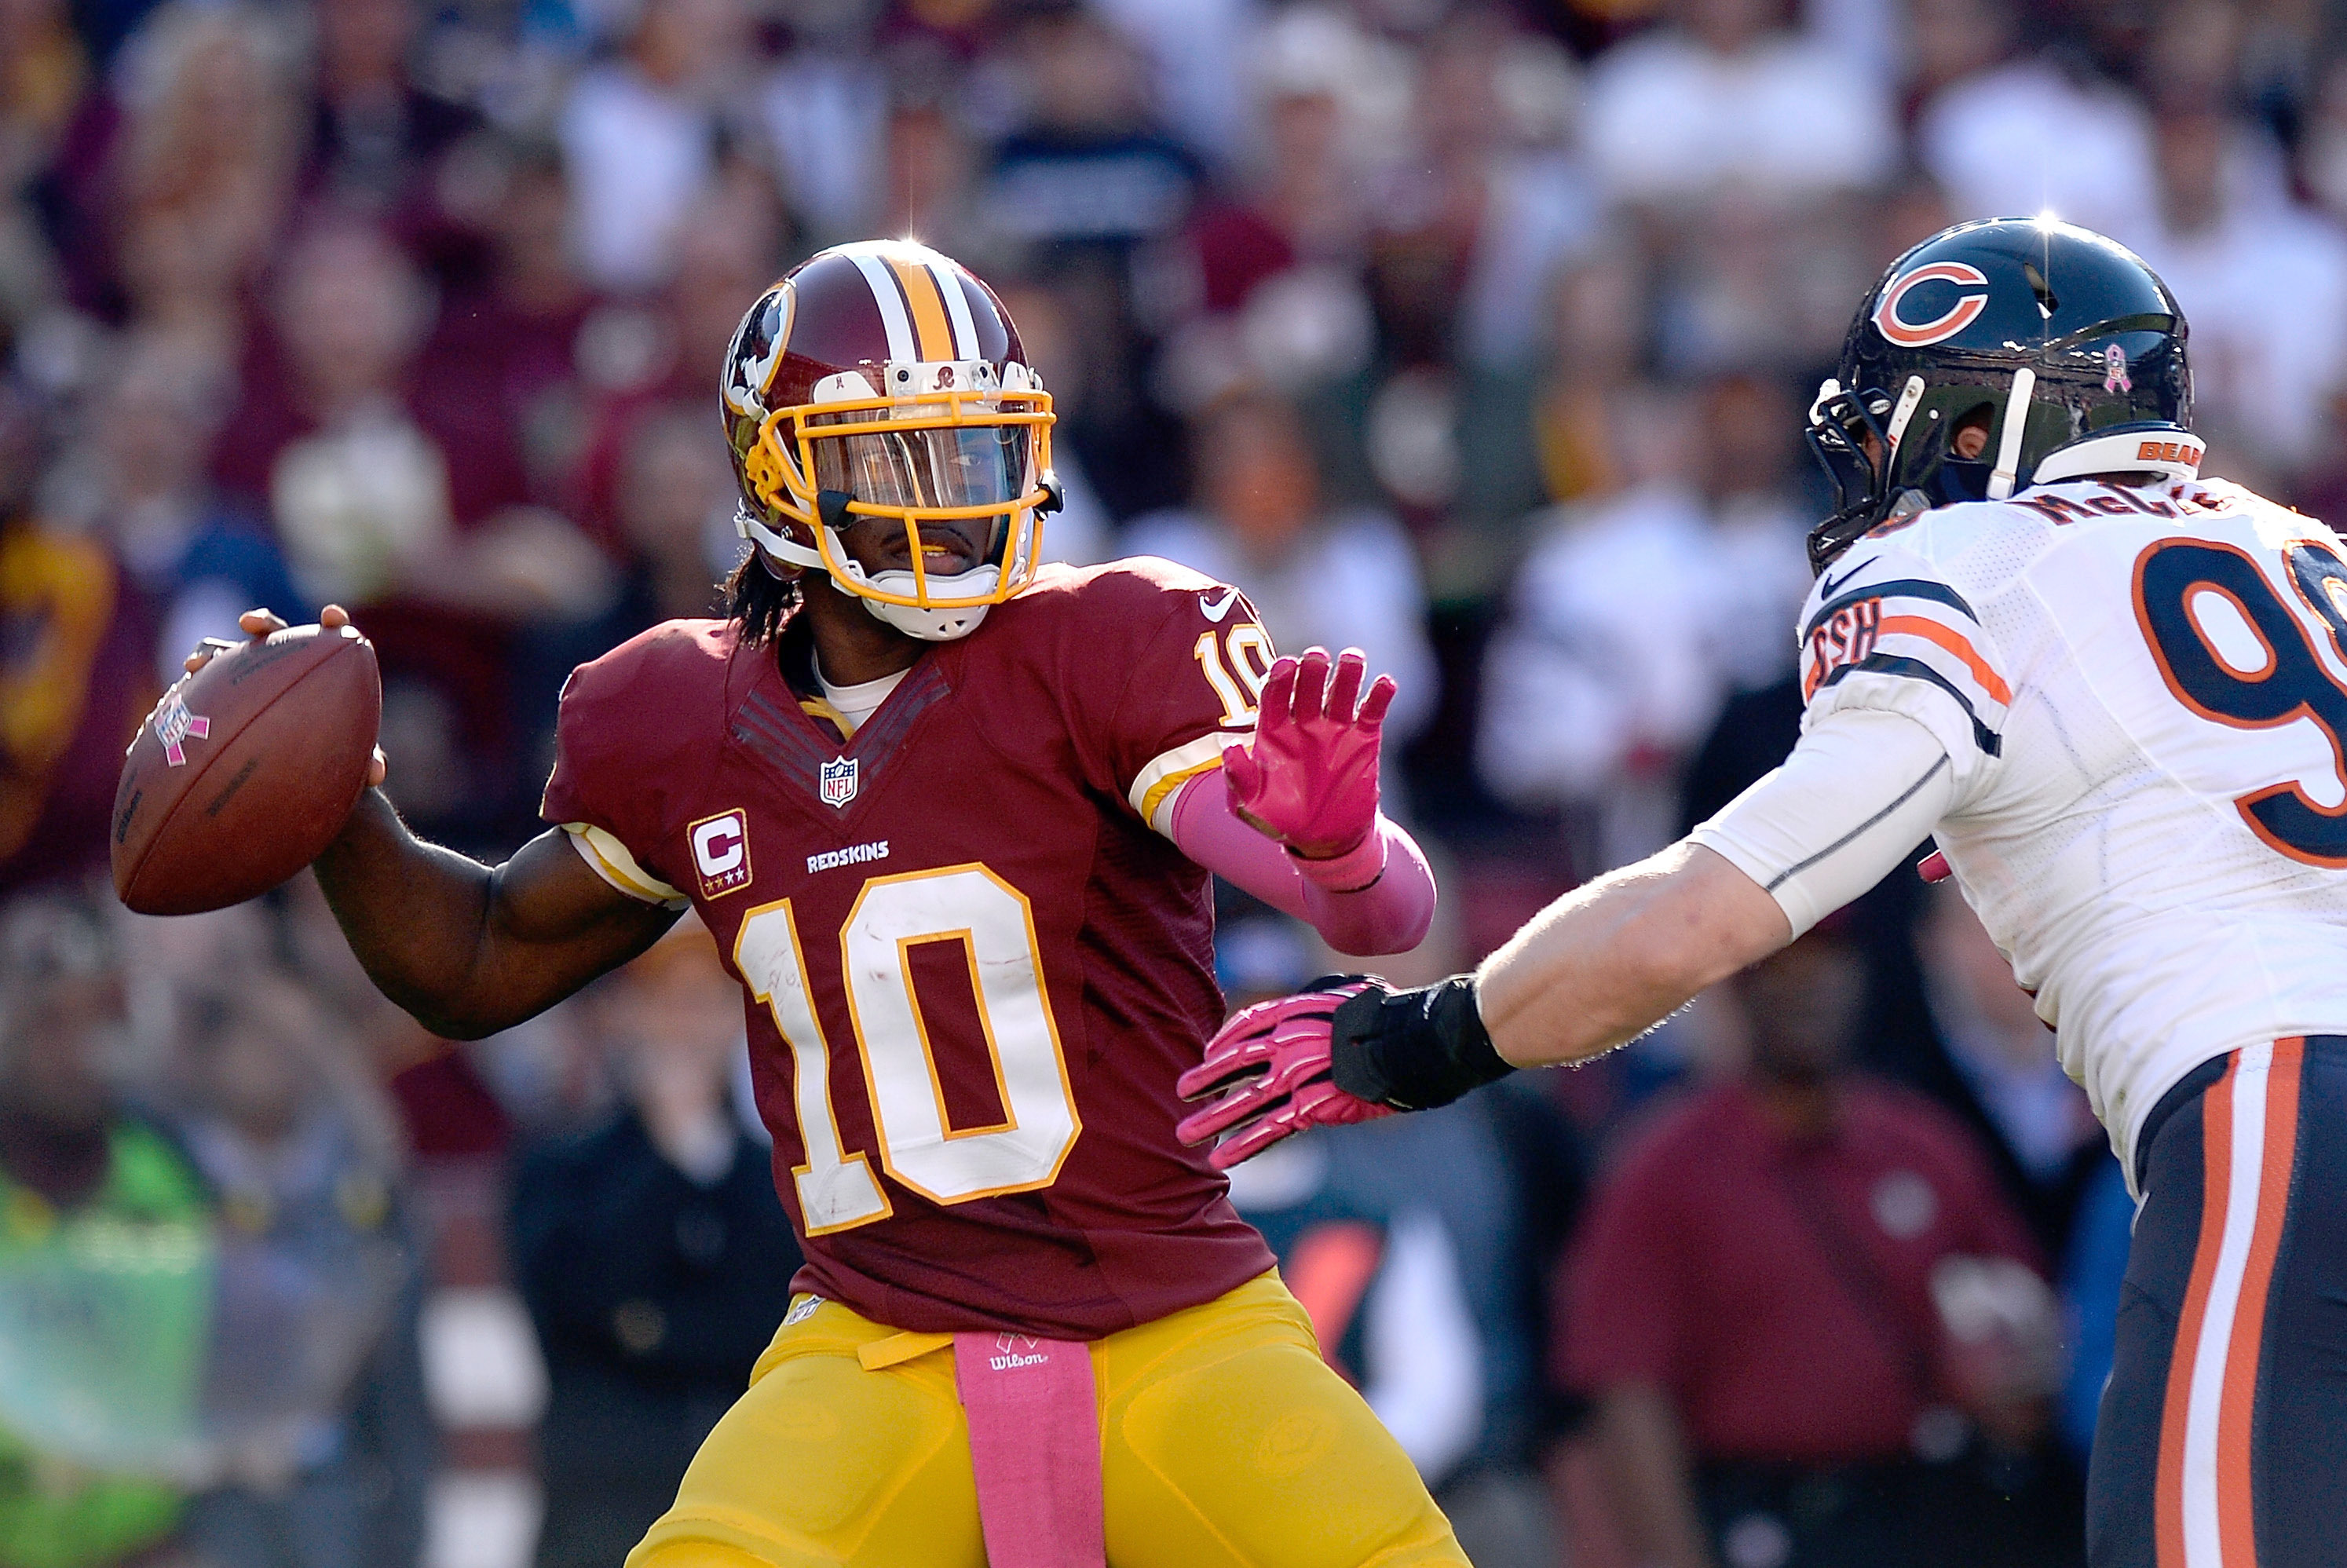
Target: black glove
[1414,1049]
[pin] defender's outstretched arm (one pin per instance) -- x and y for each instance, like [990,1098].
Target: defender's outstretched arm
[1599,966]
[1603,964]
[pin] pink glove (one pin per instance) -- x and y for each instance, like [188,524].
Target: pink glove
[1277,1055]
[1309,779]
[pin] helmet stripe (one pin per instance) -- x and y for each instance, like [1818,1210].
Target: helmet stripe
[929,307]
[890,298]
[956,309]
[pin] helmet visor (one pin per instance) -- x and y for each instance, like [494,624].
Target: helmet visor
[939,467]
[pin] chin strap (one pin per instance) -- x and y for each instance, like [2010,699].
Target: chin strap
[2017,423]
[780,546]
[928,625]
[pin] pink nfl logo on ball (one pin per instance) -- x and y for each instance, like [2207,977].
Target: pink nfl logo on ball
[838,785]
[174,724]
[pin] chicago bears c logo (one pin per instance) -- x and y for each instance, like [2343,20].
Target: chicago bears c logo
[1972,298]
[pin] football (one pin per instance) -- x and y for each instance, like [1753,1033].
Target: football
[245,771]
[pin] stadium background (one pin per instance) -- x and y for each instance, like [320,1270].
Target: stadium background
[1476,334]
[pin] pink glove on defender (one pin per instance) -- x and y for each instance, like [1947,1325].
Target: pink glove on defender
[1277,1055]
[1309,778]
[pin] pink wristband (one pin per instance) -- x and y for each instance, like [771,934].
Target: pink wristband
[1356,869]
[1388,914]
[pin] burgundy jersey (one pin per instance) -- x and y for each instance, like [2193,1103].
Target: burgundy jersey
[972,969]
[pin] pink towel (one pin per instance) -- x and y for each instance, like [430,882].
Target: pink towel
[1034,1443]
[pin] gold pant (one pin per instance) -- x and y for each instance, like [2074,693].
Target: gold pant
[1225,1442]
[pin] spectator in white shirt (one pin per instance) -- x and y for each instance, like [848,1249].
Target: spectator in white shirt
[2010,135]
[1335,577]
[1727,96]
[1638,611]
[1602,679]
[2264,284]
[640,136]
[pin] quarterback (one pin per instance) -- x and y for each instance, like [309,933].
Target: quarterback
[950,814]
[2115,694]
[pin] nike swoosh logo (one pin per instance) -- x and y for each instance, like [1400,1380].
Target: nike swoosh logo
[1828,588]
[1220,608]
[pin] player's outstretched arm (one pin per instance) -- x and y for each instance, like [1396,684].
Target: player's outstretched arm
[1293,816]
[467,948]
[1593,970]
[470,949]
[1606,961]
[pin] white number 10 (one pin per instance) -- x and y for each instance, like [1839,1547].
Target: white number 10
[919,1147]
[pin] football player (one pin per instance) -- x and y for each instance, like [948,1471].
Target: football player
[2115,693]
[950,814]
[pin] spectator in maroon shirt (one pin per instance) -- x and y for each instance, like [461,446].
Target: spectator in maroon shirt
[376,135]
[380,489]
[504,353]
[1811,1324]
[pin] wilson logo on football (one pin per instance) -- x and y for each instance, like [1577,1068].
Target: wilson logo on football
[1895,322]
[721,852]
[175,725]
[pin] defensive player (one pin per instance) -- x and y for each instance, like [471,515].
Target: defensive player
[2117,695]
[950,815]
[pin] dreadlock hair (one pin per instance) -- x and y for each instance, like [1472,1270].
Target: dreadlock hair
[762,602]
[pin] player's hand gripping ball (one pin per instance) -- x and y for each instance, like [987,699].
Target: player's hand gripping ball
[1309,778]
[247,767]
[1273,1058]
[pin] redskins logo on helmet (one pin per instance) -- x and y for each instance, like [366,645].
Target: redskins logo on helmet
[757,350]
[883,380]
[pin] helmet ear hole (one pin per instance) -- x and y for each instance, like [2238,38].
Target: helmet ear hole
[1968,433]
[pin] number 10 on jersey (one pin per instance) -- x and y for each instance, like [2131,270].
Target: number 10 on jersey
[919,1146]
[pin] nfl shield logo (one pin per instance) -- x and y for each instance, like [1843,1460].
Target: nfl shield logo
[175,725]
[838,785]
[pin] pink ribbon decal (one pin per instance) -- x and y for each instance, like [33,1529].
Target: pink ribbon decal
[1034,1444]
[174,724]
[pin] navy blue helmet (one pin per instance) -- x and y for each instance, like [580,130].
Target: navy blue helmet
[2060,346]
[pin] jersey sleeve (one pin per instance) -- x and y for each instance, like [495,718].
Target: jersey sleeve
[1884,630]
[611,752]
[1861,790]
[1190,690]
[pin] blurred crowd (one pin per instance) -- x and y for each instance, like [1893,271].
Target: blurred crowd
[1477,333]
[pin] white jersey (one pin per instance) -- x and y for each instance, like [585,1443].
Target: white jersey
[2143,694]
